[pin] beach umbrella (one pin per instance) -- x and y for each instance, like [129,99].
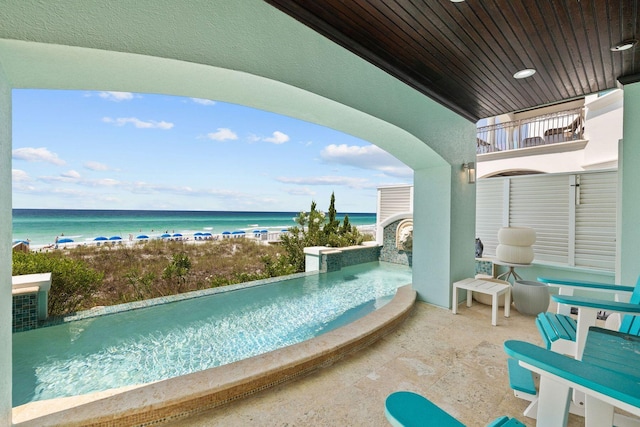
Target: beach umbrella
[100,238]
[177,235]
[115,238]
[226,232]
[65,241]
[142,236]
[238,232]
[199,234]
[165,235]
[206,234]
[264,231]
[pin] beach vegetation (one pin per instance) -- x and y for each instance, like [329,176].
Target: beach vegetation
[73,282]
[314,228]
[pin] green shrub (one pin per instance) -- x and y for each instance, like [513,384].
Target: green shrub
[314,229]
[73,283]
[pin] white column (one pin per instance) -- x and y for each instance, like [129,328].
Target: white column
[629,188]
[6,302]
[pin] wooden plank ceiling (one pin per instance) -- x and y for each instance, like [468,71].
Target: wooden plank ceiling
[464,54]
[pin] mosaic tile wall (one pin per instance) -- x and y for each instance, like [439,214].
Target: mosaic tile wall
[344,258]
[390,252]
[484,267]
[25,312]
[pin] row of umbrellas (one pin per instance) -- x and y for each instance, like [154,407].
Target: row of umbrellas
[168,235]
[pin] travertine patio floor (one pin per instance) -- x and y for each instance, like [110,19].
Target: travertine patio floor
[457,361]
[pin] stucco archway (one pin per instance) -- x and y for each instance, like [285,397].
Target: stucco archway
[247,53]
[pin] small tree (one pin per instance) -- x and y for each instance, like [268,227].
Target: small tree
[314,229]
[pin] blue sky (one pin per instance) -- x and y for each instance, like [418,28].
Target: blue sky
[121,150]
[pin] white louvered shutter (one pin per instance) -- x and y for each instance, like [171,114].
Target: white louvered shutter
[394,200]
[489,212]
[542,202]
[595,241]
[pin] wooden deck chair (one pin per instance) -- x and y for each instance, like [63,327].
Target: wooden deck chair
[408,409]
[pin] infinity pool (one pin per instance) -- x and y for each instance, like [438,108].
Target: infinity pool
[177,338]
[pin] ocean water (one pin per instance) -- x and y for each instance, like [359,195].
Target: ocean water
[41,226]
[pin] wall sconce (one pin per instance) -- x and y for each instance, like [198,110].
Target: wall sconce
[470,169]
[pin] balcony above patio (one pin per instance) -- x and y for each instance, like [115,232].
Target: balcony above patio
[555,132]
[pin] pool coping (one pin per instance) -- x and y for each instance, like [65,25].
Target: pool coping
[189,394]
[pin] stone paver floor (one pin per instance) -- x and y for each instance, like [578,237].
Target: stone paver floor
[457,361]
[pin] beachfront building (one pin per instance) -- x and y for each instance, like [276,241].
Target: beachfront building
[413,80]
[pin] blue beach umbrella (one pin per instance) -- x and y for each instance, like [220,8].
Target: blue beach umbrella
[142,236]
[65,241]
[177,235]
[165,235]
[115,238]
[99,238]
[239,232]
[199,234]
[206,234]
[264,231]
[226,232]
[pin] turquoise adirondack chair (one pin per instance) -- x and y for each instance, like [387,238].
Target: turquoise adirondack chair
[408,409]
[608,377]
[561,333]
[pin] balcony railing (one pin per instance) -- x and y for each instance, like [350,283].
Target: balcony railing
[562,126]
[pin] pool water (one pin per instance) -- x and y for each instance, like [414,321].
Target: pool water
[177,338]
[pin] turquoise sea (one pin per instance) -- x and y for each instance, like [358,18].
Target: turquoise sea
[41,226]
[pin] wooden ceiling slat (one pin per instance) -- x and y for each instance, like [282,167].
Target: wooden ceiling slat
[561,47]
[444,47]
[463,55]
[474,64]
[544,58]
[531,90]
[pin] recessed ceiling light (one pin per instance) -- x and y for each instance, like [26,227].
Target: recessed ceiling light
[524,73]
[627,44]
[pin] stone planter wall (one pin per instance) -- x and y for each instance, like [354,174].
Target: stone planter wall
[390,251]
[324,259]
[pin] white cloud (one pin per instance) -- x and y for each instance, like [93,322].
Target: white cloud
[346,181]
[277,138]
[71,174]
[116,96]
[96,166]
[203,101]
[18,175]
[41,154]
[368,157]
[140,124]
[305,191]
[223,134]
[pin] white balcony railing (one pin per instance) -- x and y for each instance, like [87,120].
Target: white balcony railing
[561,126]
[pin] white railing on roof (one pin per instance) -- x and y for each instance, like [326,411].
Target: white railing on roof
[561,126]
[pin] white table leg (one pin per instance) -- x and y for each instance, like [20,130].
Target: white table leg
[469,297]
[507,303]
[494,309]
[454,302]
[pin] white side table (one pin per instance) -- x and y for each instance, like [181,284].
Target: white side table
[484,287]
